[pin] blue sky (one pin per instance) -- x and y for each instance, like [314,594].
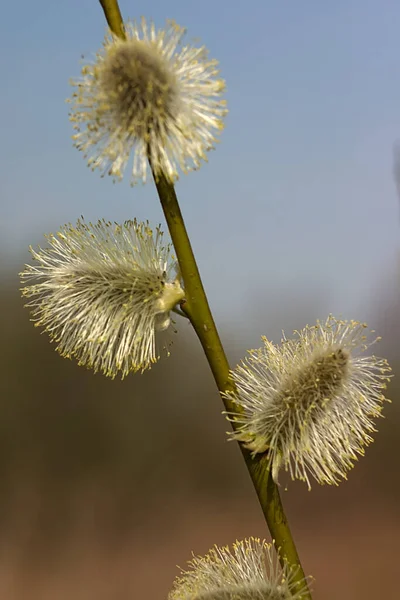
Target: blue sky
[297,200]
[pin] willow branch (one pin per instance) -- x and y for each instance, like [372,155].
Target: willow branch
[198,311]
[113,17]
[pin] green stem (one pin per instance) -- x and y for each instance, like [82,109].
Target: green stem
[197,309]
[199,313]
[113,17]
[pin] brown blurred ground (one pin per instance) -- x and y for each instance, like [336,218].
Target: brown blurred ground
[105,485]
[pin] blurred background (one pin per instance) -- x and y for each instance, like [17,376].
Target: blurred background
[106,486]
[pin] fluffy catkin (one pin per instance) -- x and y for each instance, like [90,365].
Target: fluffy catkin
[311,402]
[102,291]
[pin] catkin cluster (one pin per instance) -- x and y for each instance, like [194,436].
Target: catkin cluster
[104,292]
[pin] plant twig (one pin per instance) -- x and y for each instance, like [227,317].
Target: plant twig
[113,17]
[198,311]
